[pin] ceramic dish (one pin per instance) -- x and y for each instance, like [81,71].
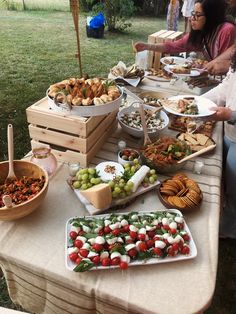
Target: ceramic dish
[204,106]
[73,223]
[173,60]
[128,156]
[193,72]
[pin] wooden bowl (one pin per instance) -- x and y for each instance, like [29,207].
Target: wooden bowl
[23,168]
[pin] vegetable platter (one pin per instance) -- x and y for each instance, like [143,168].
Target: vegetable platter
[127,239]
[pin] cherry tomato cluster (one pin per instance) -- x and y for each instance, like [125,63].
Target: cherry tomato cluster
[120,242]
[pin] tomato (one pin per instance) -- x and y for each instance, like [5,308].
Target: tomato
[142,246]
[175,246]
[96,259]
[156,238]
[141,236]
[78,260]
[78,244]
[166,227]
[116,232]
[157,251]
[83,252]
[133,234]
[172,231]
[73,235]
[123,265]
[101,232]
[150,243]
[180,225]
[151,233]
[106,261]
[171,251]
[186,237]
[107,229]
[185,250]
[180,243]
[73,256]
[97,247]
[126,228]
[133,252]
[81,232]
[115,261]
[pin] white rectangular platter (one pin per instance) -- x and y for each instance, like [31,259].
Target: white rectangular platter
[148,261]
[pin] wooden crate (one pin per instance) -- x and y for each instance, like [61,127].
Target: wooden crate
[160,37]
[73,138]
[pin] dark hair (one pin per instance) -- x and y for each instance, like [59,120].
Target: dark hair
[214,11]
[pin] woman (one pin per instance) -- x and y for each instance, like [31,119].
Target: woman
[210,33]
[225,97]
[173,15]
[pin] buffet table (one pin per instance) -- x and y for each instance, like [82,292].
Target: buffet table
[32,254]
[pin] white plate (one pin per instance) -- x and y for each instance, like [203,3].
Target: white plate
[193,250]
[193,72]
[177,60]
[203,104]
[117,170]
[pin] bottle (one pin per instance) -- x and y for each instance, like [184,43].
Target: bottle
[43,157]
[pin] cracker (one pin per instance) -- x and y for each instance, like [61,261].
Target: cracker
[202,139]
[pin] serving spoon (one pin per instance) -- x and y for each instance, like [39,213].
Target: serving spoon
[11,174]
[200,152]
[144,125]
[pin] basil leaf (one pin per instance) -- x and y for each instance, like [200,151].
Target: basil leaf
[83,266]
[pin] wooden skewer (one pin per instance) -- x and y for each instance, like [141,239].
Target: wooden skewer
[200,152]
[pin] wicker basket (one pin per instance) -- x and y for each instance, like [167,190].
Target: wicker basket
[23,168]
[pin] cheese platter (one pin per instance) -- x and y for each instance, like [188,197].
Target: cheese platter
[105,242]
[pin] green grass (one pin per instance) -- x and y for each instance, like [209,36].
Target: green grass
[37,49]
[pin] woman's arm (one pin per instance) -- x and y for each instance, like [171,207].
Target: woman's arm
[221,64]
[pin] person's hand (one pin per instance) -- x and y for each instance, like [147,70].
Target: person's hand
[221,114]
[140,46]
[218,67]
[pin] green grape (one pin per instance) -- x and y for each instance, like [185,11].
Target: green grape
[76,184]
[78,176]
[151,180]
[98,180]
[92,171]
[111,183]
[83,171]
[114,194]
[152,171]
[121,184]
[145,179]
[117,190]
[84,186]
[130,184]
[85,177]
[89,185]
[154,176]
[122,194]
[136,161]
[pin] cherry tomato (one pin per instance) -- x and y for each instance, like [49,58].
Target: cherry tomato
[107,229]
[142,246]
[101,232]
[175,246]
[156,238]
[78,260]
[123,265]
[73,256]
[73,235]
[171,251]
[180,225]
[141,236]
[133,234]
[115,261]
[166,227]
[126,228]
[150,243]
[157,251]
[83,252]
[96,259]
[116,232]
[172,231]
[151,233]
[97,247]
[186,237]
[133,252]
[185,250]
[78,244]
[81,232]
[106,261]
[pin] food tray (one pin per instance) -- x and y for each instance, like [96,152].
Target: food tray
[115,203]
[86,111]
[151,261]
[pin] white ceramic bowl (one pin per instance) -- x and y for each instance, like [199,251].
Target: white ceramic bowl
[124,161]
[139,132]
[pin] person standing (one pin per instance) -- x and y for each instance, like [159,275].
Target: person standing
[173,15]
[186,10]
[225,98]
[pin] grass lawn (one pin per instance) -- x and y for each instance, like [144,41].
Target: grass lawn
[37,49]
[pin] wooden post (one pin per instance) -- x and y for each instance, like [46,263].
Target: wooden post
[75,14]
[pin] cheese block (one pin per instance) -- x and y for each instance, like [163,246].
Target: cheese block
[99,195]
[138,177]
